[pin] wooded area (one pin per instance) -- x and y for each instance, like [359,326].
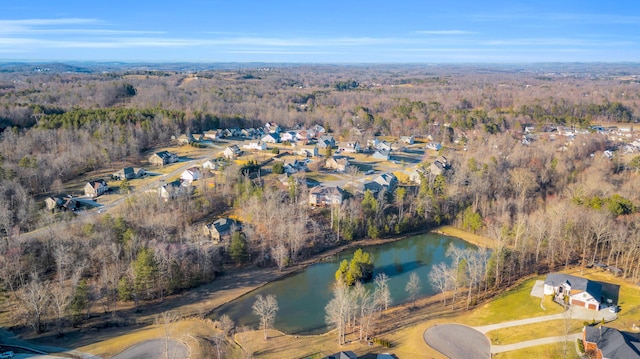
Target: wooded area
[548,204]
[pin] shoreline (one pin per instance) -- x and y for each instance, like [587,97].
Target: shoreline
[235,283]
[445,230]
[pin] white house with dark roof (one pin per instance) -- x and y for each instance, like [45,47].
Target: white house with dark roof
[271,138]
[232,152]
[191,174]
[581,291]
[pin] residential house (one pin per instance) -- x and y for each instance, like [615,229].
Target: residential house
[581,291]
[211,165]
[607,342]
[259,146]
[162,158]
[409,140]
[337,163]
[212,135]
[232,152]
[386,181]
[129,173]
[382,155]
[352,147]
[436,146]
[287,178]
[174,189]
[271,138]
[186,139]
[62,203]
[313,152]
[191,174]
[96,188]
[303,136]
[272,127]
[125,173]
[316,131]
[373,143]
[221,229]
[326,141]
[383,145]
[439,166]
[417,174]
[342,355]
[288,136]
[325,196]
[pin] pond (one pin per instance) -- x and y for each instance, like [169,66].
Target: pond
[303,296]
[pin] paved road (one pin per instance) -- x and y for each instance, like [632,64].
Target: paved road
[156,348]
[458,341]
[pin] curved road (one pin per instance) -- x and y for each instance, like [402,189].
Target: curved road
[156,348]
[458,341]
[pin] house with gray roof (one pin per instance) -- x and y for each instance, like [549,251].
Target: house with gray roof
[61,202]
[607,342]
[326,196]
[581,291]
[162,158]
[342,355]
[382,155]
[221,228]
[326,141]
[385,181]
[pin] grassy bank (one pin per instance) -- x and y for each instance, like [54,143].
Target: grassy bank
[473,238]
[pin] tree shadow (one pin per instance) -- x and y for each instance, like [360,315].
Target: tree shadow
[396,269]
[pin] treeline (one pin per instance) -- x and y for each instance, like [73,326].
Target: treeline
[548,205]
[563,112]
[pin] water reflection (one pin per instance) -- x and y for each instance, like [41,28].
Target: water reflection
[303,296]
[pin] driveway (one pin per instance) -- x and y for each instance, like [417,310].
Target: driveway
[458,341]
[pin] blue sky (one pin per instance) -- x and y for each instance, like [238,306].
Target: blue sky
[326,31]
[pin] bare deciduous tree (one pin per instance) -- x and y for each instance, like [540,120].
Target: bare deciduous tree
[413,287]
[382,295]
[266,309]
[34,300]
[337,310]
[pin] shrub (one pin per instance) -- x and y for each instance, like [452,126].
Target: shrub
[385,343]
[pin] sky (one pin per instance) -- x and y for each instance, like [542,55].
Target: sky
[328,31]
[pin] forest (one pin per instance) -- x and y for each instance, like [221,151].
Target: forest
[548,204]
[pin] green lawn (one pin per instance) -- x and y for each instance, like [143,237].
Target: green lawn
[541,351]
[552,328]
[514,304]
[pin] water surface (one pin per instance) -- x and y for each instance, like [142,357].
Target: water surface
[303,296]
